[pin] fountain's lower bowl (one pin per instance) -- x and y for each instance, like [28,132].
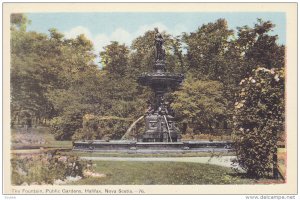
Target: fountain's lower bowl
[152,147]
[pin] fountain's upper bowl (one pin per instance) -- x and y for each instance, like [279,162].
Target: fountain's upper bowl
[160,78]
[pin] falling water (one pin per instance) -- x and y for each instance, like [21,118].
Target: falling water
[131,127]
[168,127]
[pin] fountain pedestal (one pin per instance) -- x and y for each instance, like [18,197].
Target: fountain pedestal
[159,121]
[158,131]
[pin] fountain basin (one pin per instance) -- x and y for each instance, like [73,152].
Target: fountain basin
[152,147]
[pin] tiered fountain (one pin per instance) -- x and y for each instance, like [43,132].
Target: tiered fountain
[160,124]
[161,134]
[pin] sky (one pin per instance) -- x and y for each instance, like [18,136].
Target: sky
[103,27]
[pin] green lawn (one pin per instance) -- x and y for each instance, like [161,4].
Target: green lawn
[138,173]
[161,173]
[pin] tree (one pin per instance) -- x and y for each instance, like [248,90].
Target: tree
[199,102]
[206,49]
[28,91]
[78,92]
[114,59]
[115,102]
[208,59]
[258,48]
[259,120]
[18,22]
[214,53]
[119,88]
[52,78]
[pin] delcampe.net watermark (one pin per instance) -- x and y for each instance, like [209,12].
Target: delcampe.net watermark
[270,197]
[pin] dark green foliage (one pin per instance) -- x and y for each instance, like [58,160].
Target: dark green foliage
[54,79]
[106,128]
[64,127]
[200,102]
[259,120]
[114,59]
[28,91]
[206,50]
[209,58]
[259,48]
[213,53]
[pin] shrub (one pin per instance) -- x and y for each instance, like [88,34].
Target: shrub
[259,120]
[99,127]
[45,168]
[205,137]
[63,128]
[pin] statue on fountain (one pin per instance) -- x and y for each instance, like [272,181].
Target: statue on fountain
[159,49]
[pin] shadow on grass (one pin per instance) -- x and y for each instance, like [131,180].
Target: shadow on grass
[268,179]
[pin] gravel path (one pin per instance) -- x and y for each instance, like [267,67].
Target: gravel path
[224,161]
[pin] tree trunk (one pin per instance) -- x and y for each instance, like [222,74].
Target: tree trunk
[184,128]
[275,169]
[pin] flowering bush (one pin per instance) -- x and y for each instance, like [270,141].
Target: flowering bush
[259,120]
[46,168]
